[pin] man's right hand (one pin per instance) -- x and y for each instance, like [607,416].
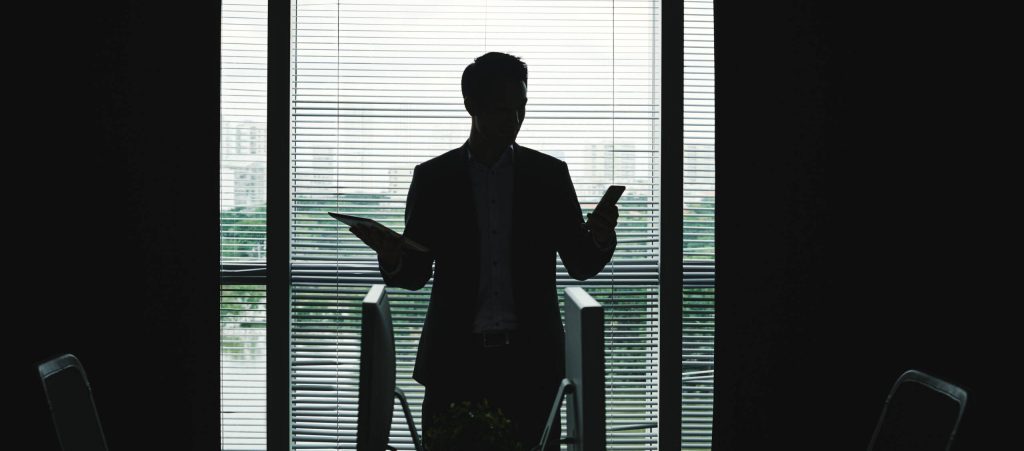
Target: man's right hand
[387,245]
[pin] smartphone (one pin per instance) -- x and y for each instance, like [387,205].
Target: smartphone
[611,195]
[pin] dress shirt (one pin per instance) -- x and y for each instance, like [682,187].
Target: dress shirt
[492,195]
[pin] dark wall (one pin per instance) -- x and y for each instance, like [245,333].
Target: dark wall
[114,134]
[863,217]
[862,188]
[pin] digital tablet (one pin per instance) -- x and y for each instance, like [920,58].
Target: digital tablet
[367,222]
[356,220]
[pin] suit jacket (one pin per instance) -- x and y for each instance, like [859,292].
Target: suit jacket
[440,214]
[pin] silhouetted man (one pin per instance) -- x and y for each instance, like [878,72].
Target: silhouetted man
[493,214]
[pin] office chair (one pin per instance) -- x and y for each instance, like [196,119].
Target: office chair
[71,405]
[921,412]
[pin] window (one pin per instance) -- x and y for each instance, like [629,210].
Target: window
[243,206]
[373,91]
[698,224]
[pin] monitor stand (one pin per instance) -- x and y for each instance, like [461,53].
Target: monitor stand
[567,388]
[408,420]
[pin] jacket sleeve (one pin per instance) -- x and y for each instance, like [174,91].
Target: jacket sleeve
[414,268]
[582,256]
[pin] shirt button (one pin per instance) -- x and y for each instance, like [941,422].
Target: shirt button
[495,262]
[494,231]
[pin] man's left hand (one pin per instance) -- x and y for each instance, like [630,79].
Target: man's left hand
[602,222]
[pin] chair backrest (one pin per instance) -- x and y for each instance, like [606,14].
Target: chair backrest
[71,404]
[921,412]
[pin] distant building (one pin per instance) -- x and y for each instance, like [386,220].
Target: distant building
[243,165]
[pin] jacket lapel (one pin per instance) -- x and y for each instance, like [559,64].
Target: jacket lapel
[463,196]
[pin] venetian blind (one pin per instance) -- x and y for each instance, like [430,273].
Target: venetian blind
[375,91]
[698,224]
[243,200]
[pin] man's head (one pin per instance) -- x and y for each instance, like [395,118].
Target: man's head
[494,93]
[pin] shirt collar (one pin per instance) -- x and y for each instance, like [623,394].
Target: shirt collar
[510,152]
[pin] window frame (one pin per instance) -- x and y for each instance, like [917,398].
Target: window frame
[276,273]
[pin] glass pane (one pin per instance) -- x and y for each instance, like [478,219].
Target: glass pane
[243,200]
[243,367]
[698,225]
[243,132]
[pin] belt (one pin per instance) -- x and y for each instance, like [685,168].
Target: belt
[495,339]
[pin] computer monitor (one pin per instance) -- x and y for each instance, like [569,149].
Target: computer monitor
[583,386]
[584,366]
[377,389]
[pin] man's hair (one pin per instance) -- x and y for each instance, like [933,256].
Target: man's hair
[486,74]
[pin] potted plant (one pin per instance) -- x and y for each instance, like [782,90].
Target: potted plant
[472,426]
